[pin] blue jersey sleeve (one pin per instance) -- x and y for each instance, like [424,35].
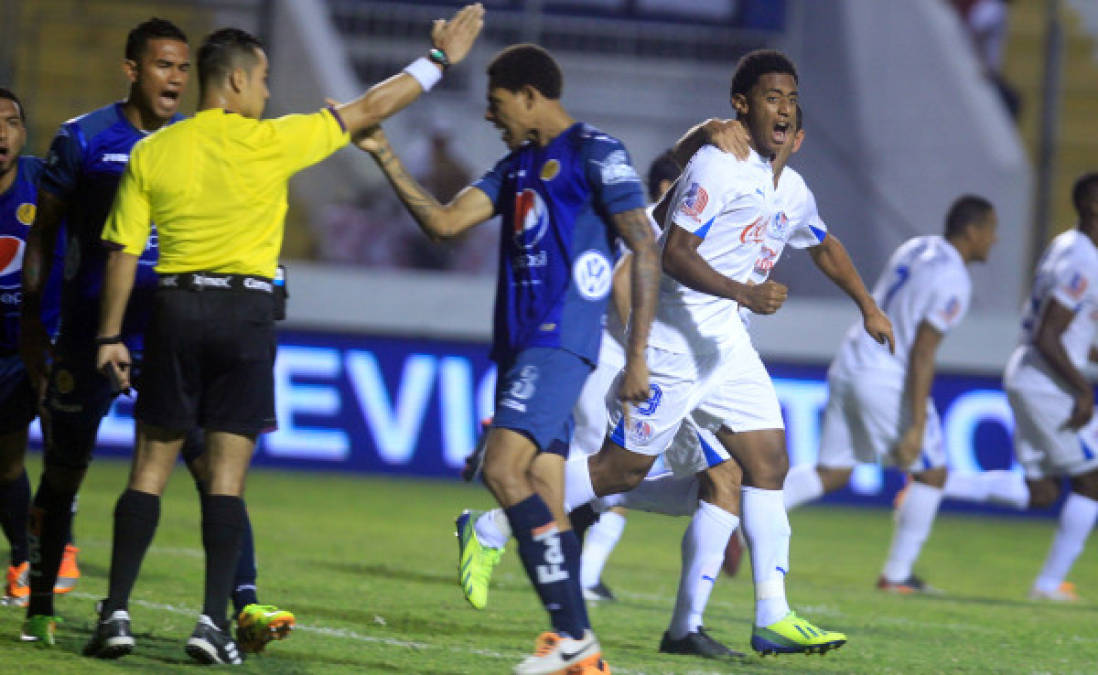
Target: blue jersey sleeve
[64,162]
[614,182]
[492,181]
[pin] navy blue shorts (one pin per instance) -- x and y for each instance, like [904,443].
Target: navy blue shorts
[535,394]
[18,406]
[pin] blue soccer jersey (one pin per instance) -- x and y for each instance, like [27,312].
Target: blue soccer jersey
[18,204]
[557,243]
[85,164]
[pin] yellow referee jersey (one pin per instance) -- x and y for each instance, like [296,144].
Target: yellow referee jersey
[215,185]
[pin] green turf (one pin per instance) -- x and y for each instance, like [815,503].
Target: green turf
[368,566]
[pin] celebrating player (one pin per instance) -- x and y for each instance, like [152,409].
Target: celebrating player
[562,191]
[879,406]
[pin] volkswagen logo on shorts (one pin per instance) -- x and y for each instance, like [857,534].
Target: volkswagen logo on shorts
[592,274]
[11,254]
[531,219]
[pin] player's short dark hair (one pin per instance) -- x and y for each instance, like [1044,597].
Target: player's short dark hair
[526,64]
[224,50]
[1085,189]
[755,64]
[966,210]
[663,168]
[153,29]
[10,95]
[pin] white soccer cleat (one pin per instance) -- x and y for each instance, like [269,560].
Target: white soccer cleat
[554,653]
[1065,592]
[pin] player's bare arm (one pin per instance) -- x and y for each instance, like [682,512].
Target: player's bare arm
[34,340]
[920,375]
[468,208]
[833,260]
[682,263]
[728,135]
[644,282]
[117,286]
[621,288]
[1049,344]
[454,37]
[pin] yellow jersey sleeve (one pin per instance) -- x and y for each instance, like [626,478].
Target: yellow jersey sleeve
[130,219]
[307,139]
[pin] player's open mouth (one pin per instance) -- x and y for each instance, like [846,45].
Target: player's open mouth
[3,153]
[169,98]
[781,130]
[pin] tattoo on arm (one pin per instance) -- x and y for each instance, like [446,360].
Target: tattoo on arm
[420,203]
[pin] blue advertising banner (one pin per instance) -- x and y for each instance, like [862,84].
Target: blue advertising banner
[412,407]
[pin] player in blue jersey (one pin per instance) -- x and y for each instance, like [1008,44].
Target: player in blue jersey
[85,164]
[18,400]
[563,191]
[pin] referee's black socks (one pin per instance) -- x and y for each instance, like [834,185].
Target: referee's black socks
[223,523]
[135,518]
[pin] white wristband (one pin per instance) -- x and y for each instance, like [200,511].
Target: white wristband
[425,72]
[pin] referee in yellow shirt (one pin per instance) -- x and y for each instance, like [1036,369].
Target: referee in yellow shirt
[215,185]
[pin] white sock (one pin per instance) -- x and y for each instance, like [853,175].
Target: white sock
[493,529]
[1006,488]
[802,484]
[914,518]
[1077,518]
[598,543]
[668,494]
[577,483]
[703,546]
[766,528]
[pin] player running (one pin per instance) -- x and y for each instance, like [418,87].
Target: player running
[18,395]
[879,406]
[86,161]
[563,191]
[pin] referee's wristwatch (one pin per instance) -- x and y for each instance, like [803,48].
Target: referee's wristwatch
[438,56]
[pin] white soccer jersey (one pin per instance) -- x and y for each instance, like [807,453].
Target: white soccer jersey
[925,280]
[731,205]
[1068,273]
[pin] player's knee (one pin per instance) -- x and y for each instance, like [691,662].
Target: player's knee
[1086,485]
[505,479]
[935,477]
[1043,493]
[834,478]
[617,470]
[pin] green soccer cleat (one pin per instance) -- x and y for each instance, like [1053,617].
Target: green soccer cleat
[259,624]
[475,562]
[40,628]
[794,635]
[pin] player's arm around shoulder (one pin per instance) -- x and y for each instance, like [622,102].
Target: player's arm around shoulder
[469,207]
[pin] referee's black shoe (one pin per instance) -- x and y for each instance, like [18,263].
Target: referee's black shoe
[112,638]
[211,645]
[698,643]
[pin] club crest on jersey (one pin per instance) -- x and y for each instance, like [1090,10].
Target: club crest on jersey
[779,225]
[1077,286]
[639,431]
[693,203]
[25,213]
[592,273]
[531,219]
[549,170]
[952,308]
[11,254]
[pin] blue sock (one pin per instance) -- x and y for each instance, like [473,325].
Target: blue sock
[14,507]
[244,581]
[546,559]
[573,550]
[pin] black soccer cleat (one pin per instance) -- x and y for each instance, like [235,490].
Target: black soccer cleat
[112,638]
[600,592]
[698,643]
[210,645]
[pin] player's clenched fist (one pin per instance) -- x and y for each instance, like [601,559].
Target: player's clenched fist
[764,298]
[634,383]
[456,36]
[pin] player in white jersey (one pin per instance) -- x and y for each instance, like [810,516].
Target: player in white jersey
[879,406]
[1055,429]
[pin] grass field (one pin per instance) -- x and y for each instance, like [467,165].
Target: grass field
[368,566]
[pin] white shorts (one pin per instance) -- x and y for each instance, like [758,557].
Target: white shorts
[694,449]
[590,412]
[863,421]
[728,388]
[1041,444]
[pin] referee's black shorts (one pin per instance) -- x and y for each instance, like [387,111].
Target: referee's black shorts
[209,359]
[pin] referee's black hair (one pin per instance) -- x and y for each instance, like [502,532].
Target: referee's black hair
[755,64]
[223,50]
[966,210]
[1085,189]
[153,29]
[663,168]
[526,64]
[10,95]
